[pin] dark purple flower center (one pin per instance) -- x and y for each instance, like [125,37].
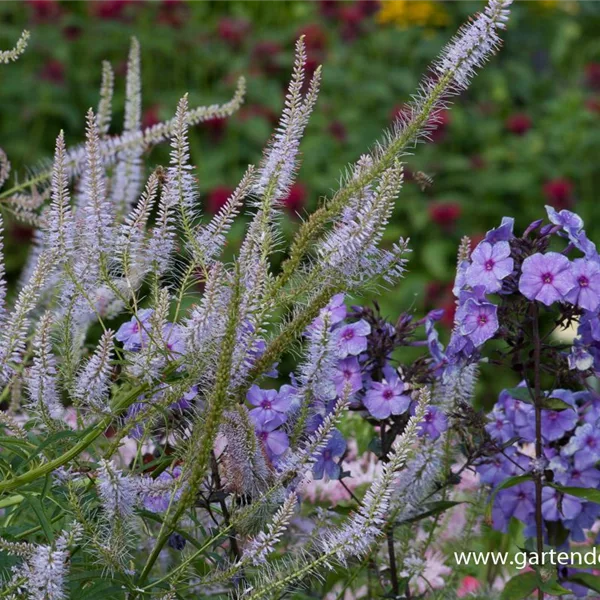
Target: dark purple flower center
[347,373]
[547,277]
[489,264]
[327,454]
[591,442]
[348,334]
[428,417]
[388,394]
[553,416]
[266,404]
[583,281]
[522,496]
[263,435]
[482,319]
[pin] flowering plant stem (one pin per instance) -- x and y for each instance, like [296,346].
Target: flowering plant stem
[537,353]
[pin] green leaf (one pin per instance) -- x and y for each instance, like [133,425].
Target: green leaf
[521,393]
[555,404]
[553,588]
[588,580]
[432,508]
[38,509]
[590,494]
[520,586]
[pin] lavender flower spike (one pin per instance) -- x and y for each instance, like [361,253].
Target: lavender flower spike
[474,44]
[93,382]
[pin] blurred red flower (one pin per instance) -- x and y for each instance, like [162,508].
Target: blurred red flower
[338,131]
[559,193]
[216,128]
[265,56]
[328,8]
[445,214]
[110,9]
[351,17]
[519,123]
[368,7]
[315,37]
[295,200]
[53,71]
[151,116]
[233,31]
[468,585]
[45,10]
[217,198]
[592,75]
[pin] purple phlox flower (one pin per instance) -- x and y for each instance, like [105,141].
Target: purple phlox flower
[499,427]
[270,406]
[348,371]
[436,349]
[173,339]
[520,414]
[480,321]
[460,280]
[336,309]
[555,423]
[580,358]
[490,264]
[185,402]
[561,469]
[387,397]
[586,291]
[137,431]
[352,338]
[583,522]
[504,233]
[518,501]
[588,478]
[557,506]
[591,409]
[566,219]
[158,501]
[497,468]
[572,225]
[584,446]
[325,463]
[546,277]
[434,423]
[275,441]
[134,333]
[589,328]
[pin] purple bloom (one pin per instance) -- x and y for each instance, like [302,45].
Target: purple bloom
[546,277]
[480,321]
[580,358]
[325,463]
[566,219]
[275,442]
[133,333]
[271,406]
[556,506]
[489,265]
[348,372]
[496,469]
[434,423]
[336,309]
[387,398]
[517,501]
[500,428]
[555,423]
[584,446]
[352,338]
[173,339]
[504,233]
[157,502]
[185,401]
[586,292]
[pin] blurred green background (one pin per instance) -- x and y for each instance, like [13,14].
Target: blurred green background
[525,134]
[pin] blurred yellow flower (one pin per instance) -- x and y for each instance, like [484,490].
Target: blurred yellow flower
[406,13]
